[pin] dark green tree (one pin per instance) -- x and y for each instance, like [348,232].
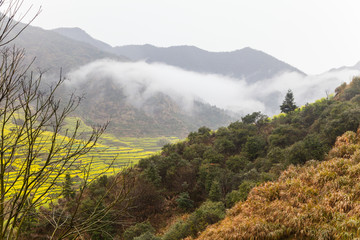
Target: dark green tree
[152,174]
[215,191]
[254,147]
[288,104]
[30,221]
[147,236]
[68,190]
[240,194]
[138,230]
[184,202]
[254,118]
[208,213]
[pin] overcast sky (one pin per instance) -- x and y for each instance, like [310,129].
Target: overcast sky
[312,35]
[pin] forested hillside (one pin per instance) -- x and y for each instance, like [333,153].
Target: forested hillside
[188,186]
[179,192]
[93,153]
[317,201]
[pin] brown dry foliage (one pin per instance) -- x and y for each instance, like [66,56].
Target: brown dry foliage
[320,200]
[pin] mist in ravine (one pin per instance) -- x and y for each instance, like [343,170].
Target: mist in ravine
[141,80]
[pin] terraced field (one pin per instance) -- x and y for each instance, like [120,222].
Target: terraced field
[109,155]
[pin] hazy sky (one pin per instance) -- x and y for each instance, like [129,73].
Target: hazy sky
[312,35]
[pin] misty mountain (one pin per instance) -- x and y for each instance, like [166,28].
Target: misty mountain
[80,35]
[248,63]
[153,99]
[54,51]
[347,68]
[159,115]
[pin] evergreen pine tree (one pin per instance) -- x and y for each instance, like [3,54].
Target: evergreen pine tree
[215,191]
[152,174]
[288,104]
[184,202]
[68,190]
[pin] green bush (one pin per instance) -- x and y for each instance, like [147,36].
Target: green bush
[254,147]
[147,236]
[215,191]
[184,202]
[297,153]
[237,163]
[285,135]
[240,194]
[208,213]
[137,230]
[177,231]
[224,145]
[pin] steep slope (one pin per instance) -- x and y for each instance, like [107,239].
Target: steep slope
[248,63]
[317,201]
[54,51]
[80,35]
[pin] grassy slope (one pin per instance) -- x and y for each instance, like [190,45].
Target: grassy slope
[316,201]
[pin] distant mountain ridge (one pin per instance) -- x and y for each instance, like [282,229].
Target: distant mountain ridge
[354,67]
[104,101]
[159,115]
[250,64]
[80,35]
[247,63]
[53,51]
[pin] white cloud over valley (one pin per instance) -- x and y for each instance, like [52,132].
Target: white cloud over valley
[141,80]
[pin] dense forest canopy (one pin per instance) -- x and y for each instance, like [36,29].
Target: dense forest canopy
[317,201]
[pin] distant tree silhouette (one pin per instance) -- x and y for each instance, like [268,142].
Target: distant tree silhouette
[288,104]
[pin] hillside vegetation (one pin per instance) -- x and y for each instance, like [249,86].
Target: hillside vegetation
[211,171]
[320,200]
[186,187]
